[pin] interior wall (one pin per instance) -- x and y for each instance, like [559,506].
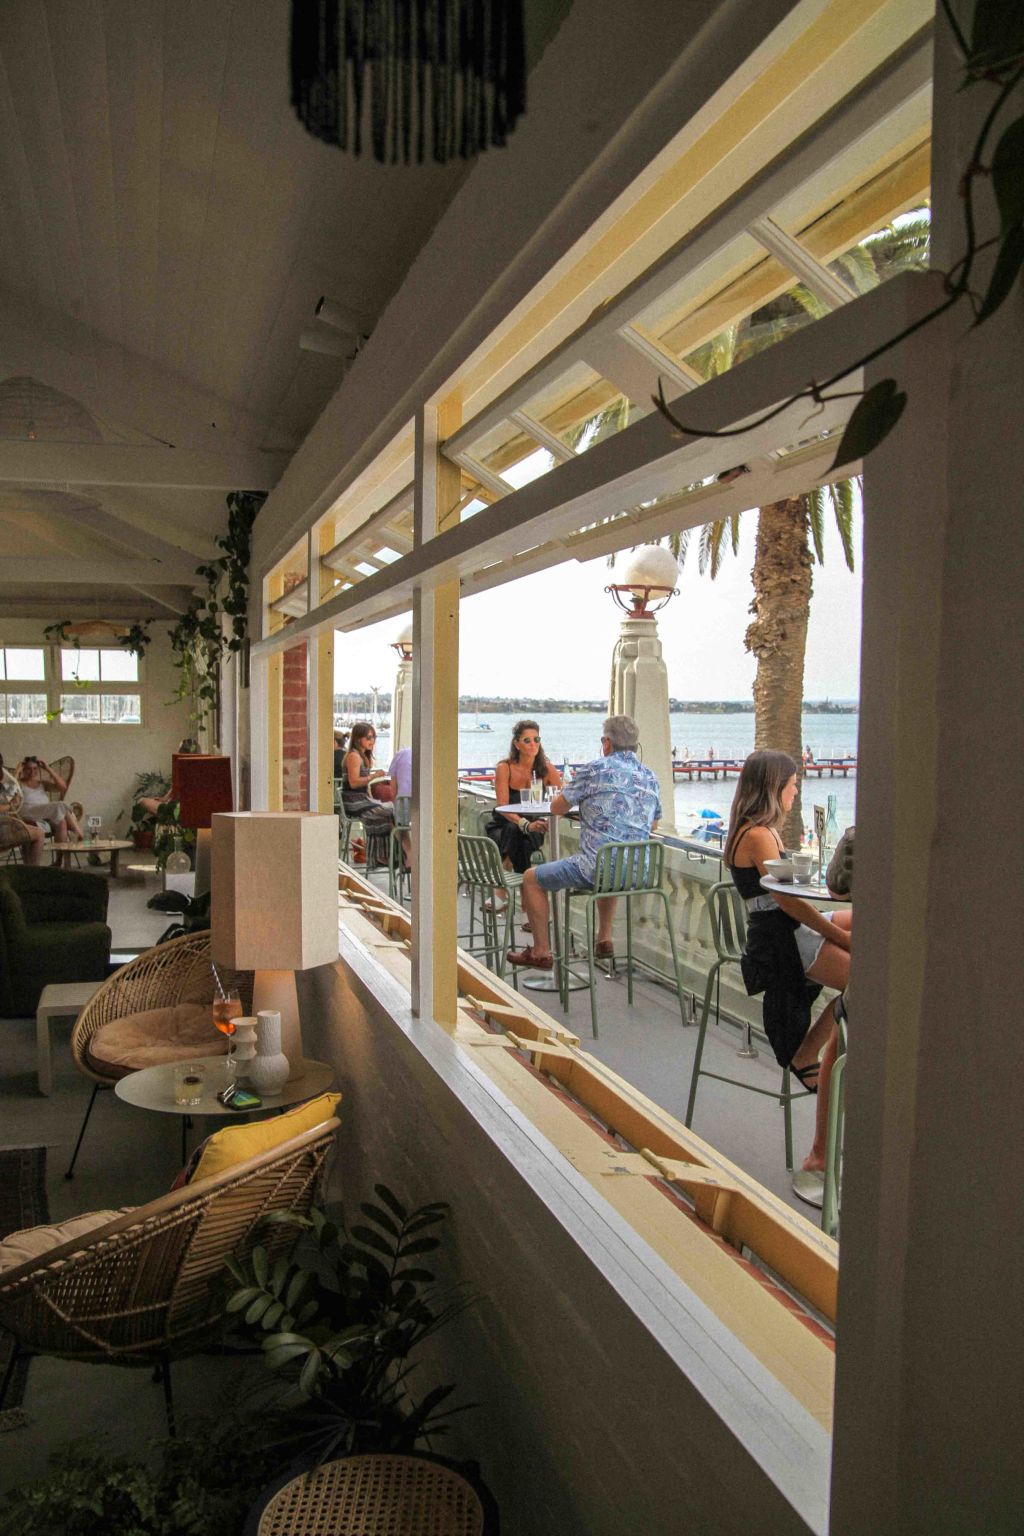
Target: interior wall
[107,757]
[584,1422]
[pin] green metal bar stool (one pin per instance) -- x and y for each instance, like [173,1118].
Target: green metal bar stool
[345,823]
[831,1194]
[625,871]
[480,814]
[729,931]
[481,871]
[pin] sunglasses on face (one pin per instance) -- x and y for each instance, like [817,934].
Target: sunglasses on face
[529,741]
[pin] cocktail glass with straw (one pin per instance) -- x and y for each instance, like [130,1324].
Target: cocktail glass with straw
[227,1007]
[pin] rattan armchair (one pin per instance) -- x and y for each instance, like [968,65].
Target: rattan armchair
[143,1289]
[180,971]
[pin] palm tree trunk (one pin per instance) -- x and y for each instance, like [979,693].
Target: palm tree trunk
[782,599]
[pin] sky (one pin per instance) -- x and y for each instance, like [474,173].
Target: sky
[552,634]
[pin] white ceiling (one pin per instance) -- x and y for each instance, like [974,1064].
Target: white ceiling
[166,228]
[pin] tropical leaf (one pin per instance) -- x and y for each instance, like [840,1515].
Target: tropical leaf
[1004,273]
[392,1202]
[1008,175]
[841,496]
[816,521]
[382,1219]
[873,418]
[997,36]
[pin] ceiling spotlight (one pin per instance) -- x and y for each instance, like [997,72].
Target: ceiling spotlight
[331,313]
[333,343]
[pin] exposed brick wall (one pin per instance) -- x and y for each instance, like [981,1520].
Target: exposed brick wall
[294,731]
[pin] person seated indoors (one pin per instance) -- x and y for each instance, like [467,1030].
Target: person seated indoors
[38,783]
[619,802]
[519,836]
[792,949]
[359,774]
[10,805]
[152,803]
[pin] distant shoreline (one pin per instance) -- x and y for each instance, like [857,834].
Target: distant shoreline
[357,704]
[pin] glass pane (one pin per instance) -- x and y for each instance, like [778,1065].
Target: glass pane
[717,274]
[902,245]
[119,667]
[82,666]
[778,317]
[80,709]
[25,708]
[604,422]
[120,708]
[25,664]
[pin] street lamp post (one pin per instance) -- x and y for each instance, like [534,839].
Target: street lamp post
[639,680]
[401,705]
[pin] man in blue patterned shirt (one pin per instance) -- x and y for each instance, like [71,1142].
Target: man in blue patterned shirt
[618,802]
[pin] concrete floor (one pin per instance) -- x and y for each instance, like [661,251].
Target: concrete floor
[130,1157]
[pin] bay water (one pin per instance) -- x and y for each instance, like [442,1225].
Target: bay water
[575,736]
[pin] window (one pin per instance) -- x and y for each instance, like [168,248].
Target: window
[22,670]
[105,687]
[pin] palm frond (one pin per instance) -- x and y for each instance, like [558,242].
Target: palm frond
[841,497]
[816,521]
[857,268]
[710,552]
[734,526]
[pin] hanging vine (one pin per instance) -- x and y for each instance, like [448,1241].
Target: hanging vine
[215,623]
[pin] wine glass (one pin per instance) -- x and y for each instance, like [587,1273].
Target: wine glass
[227,1007]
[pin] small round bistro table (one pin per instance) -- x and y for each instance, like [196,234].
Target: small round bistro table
[153,1088]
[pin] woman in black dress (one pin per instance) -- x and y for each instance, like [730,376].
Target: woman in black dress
[792,948]
[358,774]
[517,836]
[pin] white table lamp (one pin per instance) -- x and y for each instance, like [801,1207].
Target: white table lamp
[274,907]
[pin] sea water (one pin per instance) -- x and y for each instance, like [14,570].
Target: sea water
[575,736]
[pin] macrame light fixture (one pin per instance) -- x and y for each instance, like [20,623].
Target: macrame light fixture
[443,78]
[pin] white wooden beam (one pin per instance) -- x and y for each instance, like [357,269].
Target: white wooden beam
[128,464]
[903,77]
[814,276]
[648,459]
[118,387]
[173,564]
[18,570]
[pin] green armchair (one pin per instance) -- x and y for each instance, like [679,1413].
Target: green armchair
[52,929]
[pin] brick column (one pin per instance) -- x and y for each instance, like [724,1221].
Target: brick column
[294,731]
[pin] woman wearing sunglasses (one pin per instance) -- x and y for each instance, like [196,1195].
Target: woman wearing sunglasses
[517,836]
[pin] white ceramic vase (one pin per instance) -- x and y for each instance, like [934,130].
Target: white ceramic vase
[269,1068]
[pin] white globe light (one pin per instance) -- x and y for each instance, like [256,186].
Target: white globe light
[404,636]
[650,566]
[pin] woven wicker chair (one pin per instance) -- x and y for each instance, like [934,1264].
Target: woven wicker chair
[14,835]
[179,971]
[377,1495]
[142,1289]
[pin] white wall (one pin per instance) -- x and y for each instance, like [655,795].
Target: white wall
[107,757]
[594,1411]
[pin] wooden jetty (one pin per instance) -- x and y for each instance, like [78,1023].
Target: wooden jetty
[691,768]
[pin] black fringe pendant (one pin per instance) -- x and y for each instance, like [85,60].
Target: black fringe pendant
[459,63]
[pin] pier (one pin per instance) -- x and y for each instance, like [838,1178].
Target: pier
[691,768]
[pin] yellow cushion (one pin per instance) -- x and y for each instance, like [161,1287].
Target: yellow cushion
[237,1143]
[149,1039]
[31,1242]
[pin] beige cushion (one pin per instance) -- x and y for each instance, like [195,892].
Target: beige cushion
[20,1247]
[148,1039]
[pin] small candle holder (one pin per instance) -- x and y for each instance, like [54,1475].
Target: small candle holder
[242,1049]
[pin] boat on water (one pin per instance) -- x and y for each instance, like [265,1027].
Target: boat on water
[481,725]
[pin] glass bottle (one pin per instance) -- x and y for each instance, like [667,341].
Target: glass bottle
[830,836]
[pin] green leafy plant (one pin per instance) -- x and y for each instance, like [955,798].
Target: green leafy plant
[193,912]
[152,782]
[203,1481]
[215,623]
[993,57]
[339,1320]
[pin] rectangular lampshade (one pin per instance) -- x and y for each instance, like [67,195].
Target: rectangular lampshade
[201,784]
[274,903]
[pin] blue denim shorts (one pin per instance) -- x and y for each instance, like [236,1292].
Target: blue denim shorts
[561,875]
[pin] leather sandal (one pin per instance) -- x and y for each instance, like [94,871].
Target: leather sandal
[604,949]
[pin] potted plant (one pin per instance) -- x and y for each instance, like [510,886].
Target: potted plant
[338,1322]
[152,785]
